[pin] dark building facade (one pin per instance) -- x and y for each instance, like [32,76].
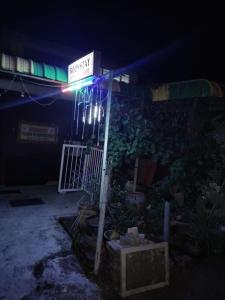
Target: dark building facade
[32,132]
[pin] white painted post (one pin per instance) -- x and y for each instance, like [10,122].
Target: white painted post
[104,179]
[107,119]
[101,226]
[166,221]
[135,174]
[61,169]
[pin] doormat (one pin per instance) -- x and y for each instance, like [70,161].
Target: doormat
[26,202]
[5,192]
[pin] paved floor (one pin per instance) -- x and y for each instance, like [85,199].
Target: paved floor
[35,252]
[36,261]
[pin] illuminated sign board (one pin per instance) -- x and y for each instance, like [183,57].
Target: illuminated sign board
[84,67]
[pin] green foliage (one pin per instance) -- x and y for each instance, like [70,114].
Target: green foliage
[207,214]
[154,212]
[168,134]
[117,192]
[130,133]
[137,131]
[193,167]
[161,134]
[122,217]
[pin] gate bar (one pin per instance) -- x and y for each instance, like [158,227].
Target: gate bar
[61,168]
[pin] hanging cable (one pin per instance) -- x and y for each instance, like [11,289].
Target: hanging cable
[75,105]
[95,112]
[32,98]
[9,86]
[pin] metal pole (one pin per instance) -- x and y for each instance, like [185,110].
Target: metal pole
[101,227]
[106,137]
[135,174]
[104,179]
[166,226]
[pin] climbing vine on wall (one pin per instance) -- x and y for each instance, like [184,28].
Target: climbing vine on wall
[166,133]
[137,130]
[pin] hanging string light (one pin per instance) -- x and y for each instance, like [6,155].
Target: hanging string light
[75,105]
[89,110]
[95,111]
[84,119]
[85,106]
[99,116]
[79,95]
[98,137]
[99,113]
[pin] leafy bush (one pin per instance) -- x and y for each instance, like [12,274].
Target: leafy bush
[207,214]
[167,134]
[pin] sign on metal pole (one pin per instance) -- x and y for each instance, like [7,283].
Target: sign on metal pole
[84,67]
[82,73]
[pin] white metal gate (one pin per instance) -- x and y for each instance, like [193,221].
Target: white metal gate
[92,171]
[80,169]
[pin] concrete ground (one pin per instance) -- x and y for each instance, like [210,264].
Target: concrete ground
[35,252]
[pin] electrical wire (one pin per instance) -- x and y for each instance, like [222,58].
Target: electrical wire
[9,86]
[32,98]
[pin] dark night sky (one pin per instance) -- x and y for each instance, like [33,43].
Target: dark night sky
[127,32]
